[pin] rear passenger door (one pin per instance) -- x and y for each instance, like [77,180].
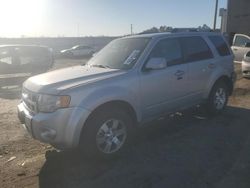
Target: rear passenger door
[199,58]
[224,54]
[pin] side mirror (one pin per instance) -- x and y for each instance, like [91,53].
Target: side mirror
[247,44]
[247,57]
[156,64]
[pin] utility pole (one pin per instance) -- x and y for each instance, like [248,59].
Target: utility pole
[215,14]
[131,29]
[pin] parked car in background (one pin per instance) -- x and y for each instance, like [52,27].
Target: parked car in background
[18,62]
[78,51]
[131,81]
[246,65]
[240,46]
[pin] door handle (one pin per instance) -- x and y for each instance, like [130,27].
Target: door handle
[179,73]
[235,49]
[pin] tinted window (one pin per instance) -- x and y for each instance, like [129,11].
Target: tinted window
[31,55]
[5,56]
[220,45]
[169,49]
[241,41]
[195,49]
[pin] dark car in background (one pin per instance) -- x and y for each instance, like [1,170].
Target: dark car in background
[18,62]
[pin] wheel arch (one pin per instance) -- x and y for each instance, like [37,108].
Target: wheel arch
[223,78]
[227,81]
[116,104]
[108,105]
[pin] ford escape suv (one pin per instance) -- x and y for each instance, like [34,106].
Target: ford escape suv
[131,81]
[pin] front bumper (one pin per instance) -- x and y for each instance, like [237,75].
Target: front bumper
[245,69]
[62,128]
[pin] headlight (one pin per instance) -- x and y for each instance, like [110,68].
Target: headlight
[50,103]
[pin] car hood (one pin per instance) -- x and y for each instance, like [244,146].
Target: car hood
[56,81]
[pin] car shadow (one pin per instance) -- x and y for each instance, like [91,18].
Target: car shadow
[188,149]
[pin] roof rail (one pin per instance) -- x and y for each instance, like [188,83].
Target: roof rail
[180,30]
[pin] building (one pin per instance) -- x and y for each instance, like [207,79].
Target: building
[223,15]
[238,19]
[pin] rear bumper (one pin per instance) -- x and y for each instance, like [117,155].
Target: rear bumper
[61,128]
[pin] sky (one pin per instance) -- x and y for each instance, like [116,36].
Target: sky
[71,18]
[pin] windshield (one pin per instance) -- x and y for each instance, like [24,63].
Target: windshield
[120,53]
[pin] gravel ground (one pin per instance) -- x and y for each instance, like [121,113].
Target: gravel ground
[188,149]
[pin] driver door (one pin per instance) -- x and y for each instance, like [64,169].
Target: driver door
[163,90]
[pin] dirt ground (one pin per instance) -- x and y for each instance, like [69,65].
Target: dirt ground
[188,149]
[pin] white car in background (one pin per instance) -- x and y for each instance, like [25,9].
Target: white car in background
[78,51]
[240,46]
[246,65]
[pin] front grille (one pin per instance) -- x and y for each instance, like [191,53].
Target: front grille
[30,100]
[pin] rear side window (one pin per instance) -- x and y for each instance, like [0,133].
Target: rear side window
[220,45]
[195,49]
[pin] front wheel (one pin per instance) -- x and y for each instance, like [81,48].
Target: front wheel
[106,133]
[218,98]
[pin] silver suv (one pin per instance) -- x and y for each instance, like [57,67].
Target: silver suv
[133,80]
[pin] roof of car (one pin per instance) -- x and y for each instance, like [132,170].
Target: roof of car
[160,35]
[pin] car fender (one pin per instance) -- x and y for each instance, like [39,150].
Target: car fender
[215,76]
[110,94]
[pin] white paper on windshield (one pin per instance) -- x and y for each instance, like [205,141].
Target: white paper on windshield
[131,57]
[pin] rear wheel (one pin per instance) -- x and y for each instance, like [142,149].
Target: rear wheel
[218,98]
[106,133]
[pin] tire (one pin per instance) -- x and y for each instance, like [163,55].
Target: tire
[218,98]
[106,134]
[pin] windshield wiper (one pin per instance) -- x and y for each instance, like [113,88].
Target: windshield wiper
[101,66]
